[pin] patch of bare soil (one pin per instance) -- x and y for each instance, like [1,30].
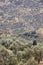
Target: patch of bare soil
[41,63]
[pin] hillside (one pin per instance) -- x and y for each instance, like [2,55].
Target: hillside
[21,32]
[19,16]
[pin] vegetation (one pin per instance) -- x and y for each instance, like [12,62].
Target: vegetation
[21,32]
[18,51]
[34,42]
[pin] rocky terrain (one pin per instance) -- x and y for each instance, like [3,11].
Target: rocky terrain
[20,16]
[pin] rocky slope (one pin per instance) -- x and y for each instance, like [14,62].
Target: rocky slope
[19,16]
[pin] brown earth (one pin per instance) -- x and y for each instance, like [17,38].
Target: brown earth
[41,63]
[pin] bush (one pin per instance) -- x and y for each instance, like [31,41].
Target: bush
[34,42]
[7,57]
[38,53]
[31,62]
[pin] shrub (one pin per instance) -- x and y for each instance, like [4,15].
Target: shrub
[38,53]
[31,62]
[34,42]
[7,57]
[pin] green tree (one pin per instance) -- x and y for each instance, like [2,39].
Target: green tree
[34,42]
